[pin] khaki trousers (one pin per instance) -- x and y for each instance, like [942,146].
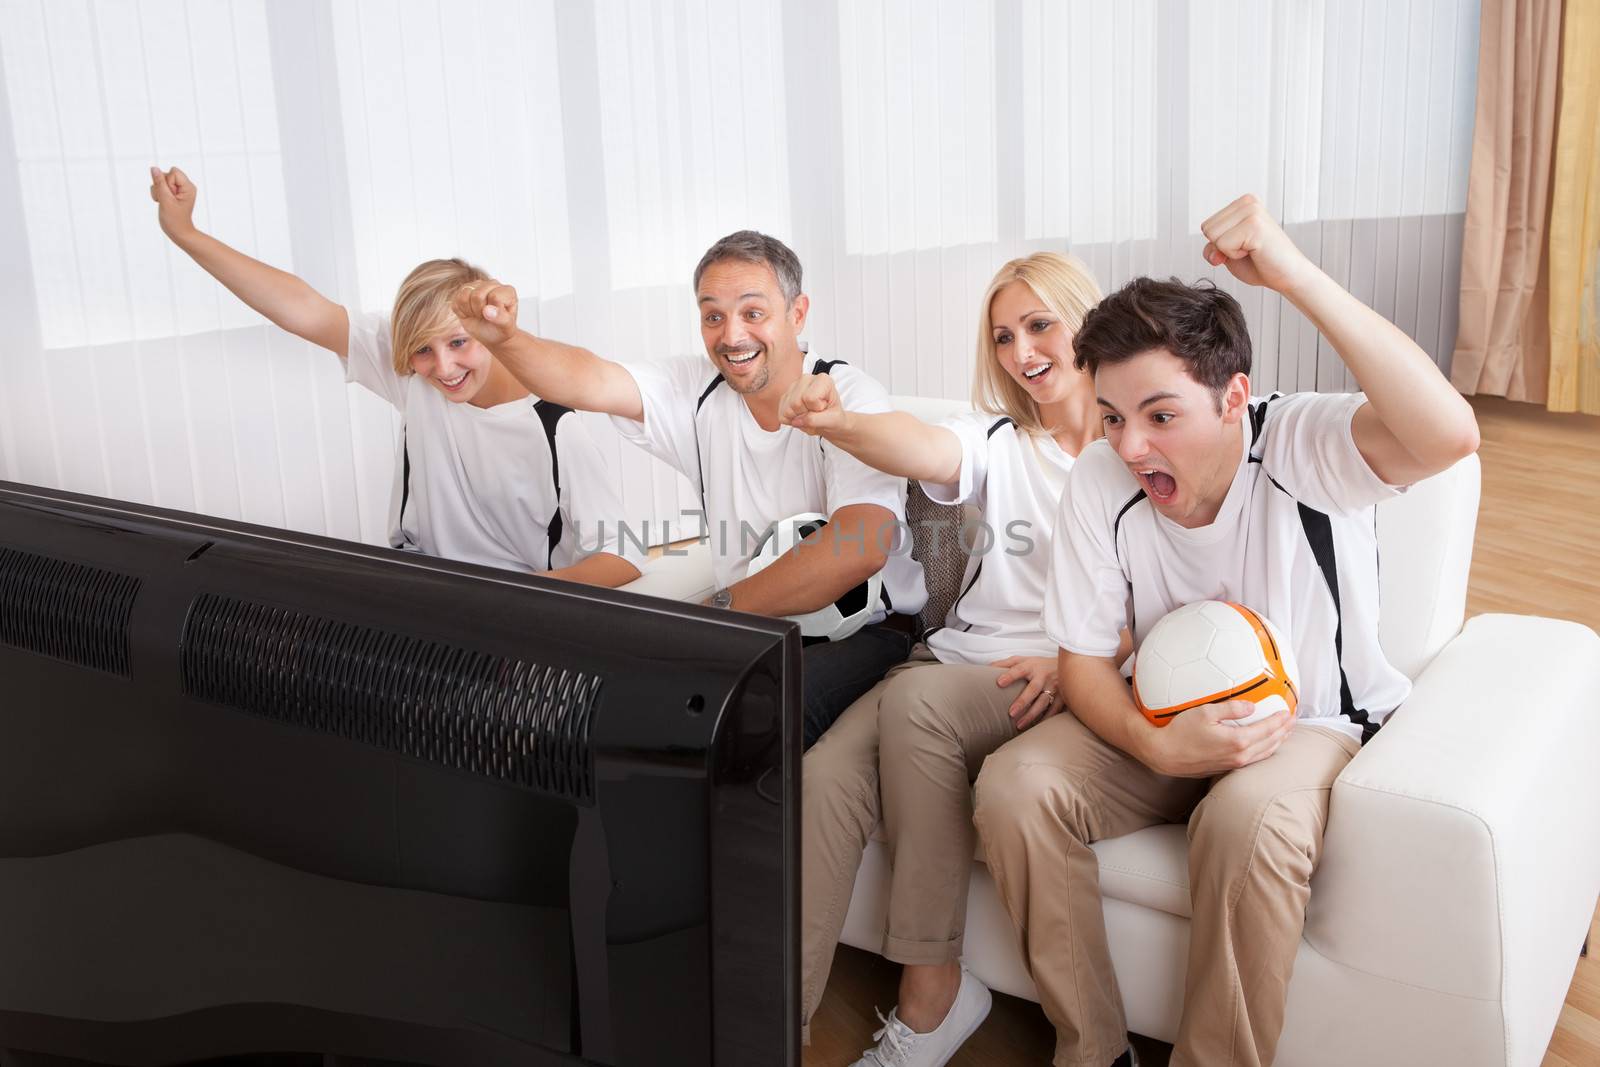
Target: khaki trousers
[907,752]
[1255,836]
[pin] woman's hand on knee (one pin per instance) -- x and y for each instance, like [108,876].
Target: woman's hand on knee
[1040,697]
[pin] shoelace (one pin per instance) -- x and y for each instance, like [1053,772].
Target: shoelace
[894,1037]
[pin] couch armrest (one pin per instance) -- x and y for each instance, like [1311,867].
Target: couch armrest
[1462,851]
[680,574]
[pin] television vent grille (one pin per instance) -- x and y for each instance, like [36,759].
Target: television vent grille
[68,611]
[507,719]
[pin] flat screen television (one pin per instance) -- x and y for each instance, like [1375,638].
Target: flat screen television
[270,793]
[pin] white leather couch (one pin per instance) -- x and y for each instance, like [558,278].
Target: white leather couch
[681,573]
[1462,858]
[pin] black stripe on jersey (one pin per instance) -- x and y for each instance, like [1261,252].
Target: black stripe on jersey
[1319,533]
[1004,421]
[698,466]
[550,414]
[707,391]
[1116,526]
[405,490]
[1258,419]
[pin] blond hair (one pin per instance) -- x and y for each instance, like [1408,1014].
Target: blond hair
[422,305]
[1068,290]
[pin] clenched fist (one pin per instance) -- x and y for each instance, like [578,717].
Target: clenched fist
[812,404]
[487,310]
[1250,243]
[174,195]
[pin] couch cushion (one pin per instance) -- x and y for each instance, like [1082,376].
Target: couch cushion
[1424,552]
[1149,867]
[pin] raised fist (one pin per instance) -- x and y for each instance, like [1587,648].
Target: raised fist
[812,404]
[174,195]
[1250,243]
[487,310]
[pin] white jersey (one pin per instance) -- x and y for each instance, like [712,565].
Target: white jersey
[480,485]
[750,478]
[1015,480]
[1295,540]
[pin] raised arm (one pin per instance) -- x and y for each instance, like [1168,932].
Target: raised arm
[1414,423]
[285,300]
[566,374]
[891,441]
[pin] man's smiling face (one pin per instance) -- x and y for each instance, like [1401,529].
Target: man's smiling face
[751,333]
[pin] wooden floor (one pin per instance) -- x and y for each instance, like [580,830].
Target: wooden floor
[1537,552]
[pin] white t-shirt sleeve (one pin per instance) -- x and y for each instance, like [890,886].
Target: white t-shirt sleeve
[1086,592]
[848,480]
[1307,446]
[591,508]
[974,430]
[669,389]
[369,358]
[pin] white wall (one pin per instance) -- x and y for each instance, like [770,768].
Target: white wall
[589,152]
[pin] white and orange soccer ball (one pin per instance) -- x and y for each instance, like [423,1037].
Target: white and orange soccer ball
[1211,651]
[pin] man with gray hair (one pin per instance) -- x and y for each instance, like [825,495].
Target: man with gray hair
[719,426]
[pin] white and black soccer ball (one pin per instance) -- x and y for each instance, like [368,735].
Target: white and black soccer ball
[844,616]
[1210,651]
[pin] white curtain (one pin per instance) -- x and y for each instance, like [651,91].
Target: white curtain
[589,152]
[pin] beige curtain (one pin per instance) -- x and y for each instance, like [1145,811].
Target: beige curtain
[1575,219]
[1504,345]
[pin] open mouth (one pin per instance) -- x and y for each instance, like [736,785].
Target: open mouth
[1161,486]
[740,359]
[1038,372]
[453,383]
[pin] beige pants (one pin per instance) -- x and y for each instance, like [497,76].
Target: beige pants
[1255,836]
[907,752]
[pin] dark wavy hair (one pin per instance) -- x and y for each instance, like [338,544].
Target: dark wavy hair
[1200,324]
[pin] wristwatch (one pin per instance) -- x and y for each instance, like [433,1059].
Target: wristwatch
[722,598]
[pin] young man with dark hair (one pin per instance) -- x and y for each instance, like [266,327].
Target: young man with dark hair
[1201,492]
[718,424]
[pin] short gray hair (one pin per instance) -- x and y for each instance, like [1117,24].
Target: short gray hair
[753,247]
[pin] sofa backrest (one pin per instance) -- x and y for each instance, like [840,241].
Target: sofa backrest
[1424,551]
[936,540]
[1424,555]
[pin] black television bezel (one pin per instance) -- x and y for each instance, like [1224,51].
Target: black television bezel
[199,536]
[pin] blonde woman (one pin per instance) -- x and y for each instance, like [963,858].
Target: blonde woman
[907,751]
[485,472]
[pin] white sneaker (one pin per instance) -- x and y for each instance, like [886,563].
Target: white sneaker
[901,1046]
